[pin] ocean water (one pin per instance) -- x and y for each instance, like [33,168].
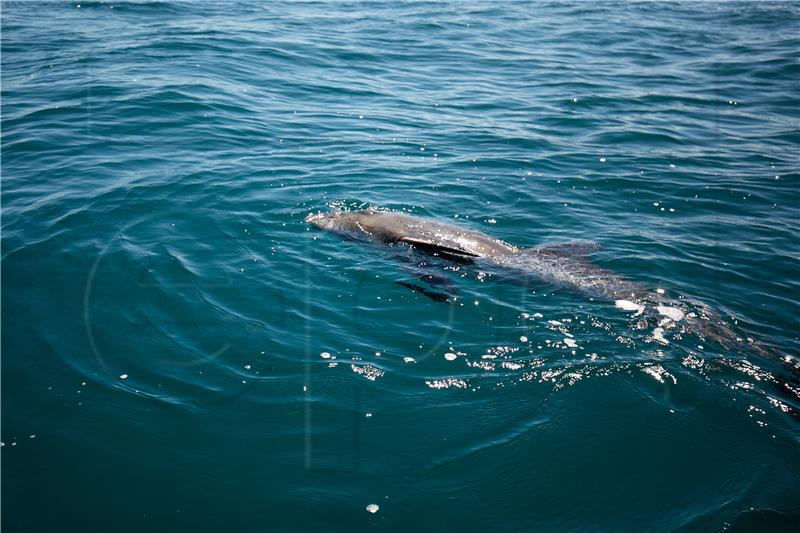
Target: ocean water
[181,352]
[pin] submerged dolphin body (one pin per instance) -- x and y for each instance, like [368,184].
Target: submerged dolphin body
[564,265]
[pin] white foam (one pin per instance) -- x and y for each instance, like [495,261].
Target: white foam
[446,383]
[658,335]
[659,373]
[450,356]
[570,342]
[672,313]
[409,360]
[368,371]
[627,305]
[373,508]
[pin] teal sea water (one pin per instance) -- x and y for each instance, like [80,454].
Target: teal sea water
[181,352]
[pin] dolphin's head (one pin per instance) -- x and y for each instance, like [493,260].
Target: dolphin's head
[367,224]
[343,222]
[321,220]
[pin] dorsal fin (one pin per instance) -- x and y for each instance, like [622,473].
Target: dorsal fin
[576,249]
[436,248]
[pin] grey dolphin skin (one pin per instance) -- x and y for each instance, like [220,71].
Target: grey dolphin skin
[563,264]
[391,227]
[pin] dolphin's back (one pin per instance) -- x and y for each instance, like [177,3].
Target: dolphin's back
[389,226]
[559,266]
[564,264]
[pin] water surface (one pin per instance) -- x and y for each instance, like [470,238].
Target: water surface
[182,353]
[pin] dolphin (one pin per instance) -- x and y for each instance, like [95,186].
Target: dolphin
[560,264]
[565,264]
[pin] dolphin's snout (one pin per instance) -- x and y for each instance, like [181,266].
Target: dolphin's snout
[314,217]
[321,220]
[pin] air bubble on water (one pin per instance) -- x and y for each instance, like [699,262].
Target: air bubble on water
[368,371]
[446,383]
